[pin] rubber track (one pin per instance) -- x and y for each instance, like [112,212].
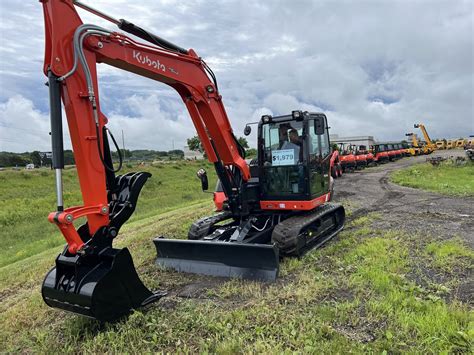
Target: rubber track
[285,233]
[201,228]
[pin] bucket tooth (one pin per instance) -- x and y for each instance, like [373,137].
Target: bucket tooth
[104,286]
[218,258]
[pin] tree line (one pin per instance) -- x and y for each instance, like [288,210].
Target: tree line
[194,144]
[9,159]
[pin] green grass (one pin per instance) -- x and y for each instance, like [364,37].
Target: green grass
[27,197]
[367,291]
[446,178]
[450,254]
[354,295]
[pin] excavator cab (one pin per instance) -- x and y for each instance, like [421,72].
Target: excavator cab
[293,153]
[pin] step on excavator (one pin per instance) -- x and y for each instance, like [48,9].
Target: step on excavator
[280,209]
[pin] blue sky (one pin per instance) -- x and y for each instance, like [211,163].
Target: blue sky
[375,67]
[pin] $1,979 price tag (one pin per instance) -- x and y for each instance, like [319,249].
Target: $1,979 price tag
[283,157]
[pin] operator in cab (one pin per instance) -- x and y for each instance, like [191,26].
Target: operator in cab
[294,143]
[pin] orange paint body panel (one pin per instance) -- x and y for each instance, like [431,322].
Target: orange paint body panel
[219,199]
[295,205]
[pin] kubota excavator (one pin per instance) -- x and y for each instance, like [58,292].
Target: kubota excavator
[281,209]
[362,149]
[379,153]
[360,157]
[347,158]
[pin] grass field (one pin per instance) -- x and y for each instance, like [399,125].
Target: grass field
[446,178]
[369,290]
[27,197]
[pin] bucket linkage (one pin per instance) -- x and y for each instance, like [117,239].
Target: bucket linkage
[101,281]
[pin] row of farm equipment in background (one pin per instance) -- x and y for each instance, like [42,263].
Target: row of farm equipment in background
[349,157]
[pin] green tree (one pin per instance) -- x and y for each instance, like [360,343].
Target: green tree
[194,144]
[35,158]
[68,157]
[243,142]
[177,152]
[251,153]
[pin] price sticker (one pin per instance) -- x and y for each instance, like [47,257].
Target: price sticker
[283,157]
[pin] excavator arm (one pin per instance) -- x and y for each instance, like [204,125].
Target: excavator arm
[73,50]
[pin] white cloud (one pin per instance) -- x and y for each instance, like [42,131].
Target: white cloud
[375,67]
[151,126]
[22,127]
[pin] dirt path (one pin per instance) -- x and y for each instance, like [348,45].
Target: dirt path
[412,210]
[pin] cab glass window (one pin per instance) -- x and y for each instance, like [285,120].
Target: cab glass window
[283,143]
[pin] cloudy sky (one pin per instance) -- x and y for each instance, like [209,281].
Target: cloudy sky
[374,67]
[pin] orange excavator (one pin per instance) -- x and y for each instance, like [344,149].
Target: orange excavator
[281,209]
[347,158]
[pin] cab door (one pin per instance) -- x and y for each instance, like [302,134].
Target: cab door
[319,155]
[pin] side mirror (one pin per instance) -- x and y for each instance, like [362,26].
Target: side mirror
[319,128]
[202,175]
[247,130]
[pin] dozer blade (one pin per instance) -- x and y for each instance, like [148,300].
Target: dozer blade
[104,286]
[218,258]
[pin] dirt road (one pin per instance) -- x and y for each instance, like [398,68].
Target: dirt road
[403,208]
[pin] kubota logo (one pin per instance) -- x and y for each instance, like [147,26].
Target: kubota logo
[146,60]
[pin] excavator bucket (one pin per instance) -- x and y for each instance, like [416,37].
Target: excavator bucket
[227,259]
[104,286]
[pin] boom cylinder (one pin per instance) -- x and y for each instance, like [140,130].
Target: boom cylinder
[56,134]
